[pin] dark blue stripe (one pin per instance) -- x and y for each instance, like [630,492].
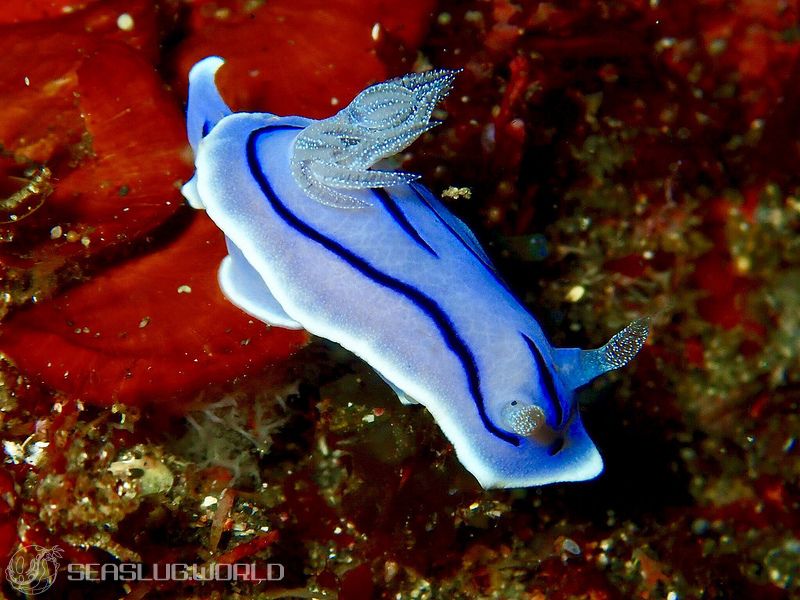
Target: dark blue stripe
[399,216]
[206,127]
[466,243]
[551,394]
[423,302]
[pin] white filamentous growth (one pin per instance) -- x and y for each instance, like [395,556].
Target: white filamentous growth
[335,155]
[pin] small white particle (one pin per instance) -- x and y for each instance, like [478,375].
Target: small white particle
[334,101]
[85,241]
[144,322]
[125,22]
[664,43]
[571,546]
[14,451]
[575,294]
[368,418]
[376,32]
[473,16]
[27,81]
[208,501]
[56,232]
[457,192]
[36,452]
[184,289]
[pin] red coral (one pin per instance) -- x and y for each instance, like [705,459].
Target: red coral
[74,104]
[33,10]
[289,57]
[151,329]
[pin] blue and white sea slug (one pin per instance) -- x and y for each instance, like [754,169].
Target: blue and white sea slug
[370,259]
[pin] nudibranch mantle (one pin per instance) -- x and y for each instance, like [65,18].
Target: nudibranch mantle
[316,241]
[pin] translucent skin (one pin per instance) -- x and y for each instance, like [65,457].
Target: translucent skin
[400,282]
[334,155]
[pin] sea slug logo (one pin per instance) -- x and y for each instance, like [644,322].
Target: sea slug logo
[33,569]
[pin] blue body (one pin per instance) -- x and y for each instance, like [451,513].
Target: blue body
[403,284]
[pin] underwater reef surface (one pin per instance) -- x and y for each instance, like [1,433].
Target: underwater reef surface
[618,159]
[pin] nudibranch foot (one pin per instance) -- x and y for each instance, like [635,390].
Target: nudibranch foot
[401,395]
[189,191]
[245,288]
[403,284]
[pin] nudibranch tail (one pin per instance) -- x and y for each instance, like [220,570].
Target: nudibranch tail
[205,108]
[578,367]
[336,154]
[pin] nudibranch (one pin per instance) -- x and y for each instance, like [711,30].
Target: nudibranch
[372,260]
